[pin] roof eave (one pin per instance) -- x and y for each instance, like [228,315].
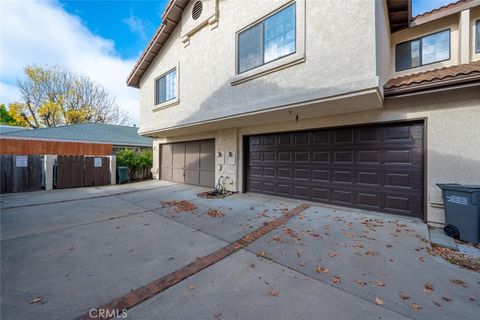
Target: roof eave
[429,85]
[443,12]
[170,19]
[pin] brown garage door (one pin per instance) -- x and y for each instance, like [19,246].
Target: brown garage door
[377,167]
[190,162]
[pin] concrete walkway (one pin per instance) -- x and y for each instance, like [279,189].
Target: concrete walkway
[79,253]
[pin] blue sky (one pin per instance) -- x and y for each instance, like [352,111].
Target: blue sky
[129,23]
[100,39]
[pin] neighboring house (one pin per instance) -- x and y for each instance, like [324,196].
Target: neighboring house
[351,103]
[8,129]
[80,139]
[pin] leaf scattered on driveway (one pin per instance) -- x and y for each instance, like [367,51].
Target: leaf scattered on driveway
[273,293]
[416,307]
[379,301]
[404,296]
[321,269]
[336,279]
[36,300]
[180,206]
[445,298]
[428,287]
[458,282]
[215,213]
[360,283]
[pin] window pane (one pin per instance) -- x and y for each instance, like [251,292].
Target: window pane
[407,55]
[250,48]
[166,87]
[436,47]
[171,85]
[478,37]
[279,34]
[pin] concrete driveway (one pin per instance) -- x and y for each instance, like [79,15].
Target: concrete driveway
[80,249]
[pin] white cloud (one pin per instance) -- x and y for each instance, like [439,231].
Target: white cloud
[43,33]
[136,25]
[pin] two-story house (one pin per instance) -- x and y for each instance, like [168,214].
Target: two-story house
[352,103]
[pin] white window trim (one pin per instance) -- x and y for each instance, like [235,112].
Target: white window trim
[281,63]
[171,102]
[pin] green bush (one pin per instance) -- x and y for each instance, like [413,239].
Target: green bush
[129,158]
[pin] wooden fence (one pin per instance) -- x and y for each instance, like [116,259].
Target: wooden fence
[33,147]
[80,171]
[21,173]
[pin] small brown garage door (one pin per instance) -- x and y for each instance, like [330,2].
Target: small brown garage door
[189,162]
[377,167]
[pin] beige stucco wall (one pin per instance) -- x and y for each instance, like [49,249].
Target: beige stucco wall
[339,58]
[452,138]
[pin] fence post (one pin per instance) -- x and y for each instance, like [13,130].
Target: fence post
[48,169]
[113,169]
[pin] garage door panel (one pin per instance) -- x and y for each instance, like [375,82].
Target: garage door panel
[377,167]
[189,162]
[166,155]
[207,155]
[192,155]
[207,178]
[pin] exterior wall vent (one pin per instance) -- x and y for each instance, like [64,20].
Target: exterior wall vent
[197,10]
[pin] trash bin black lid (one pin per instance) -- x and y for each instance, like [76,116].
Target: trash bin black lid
[459,187]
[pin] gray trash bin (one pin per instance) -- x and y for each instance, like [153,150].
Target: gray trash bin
[462,211]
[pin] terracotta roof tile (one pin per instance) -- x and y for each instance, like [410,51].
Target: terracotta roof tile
[450,5]
[434,75]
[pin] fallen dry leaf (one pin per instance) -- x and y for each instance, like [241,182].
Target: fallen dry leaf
[273,293]
[357,245]
[336,279]
[191,287]
[36,300]
[428,287]
[252,265]
[379,284]
[261,253]
[458,282]
[321,269]
[302,264]
[333,254]
[379,301]
[361,283]
[416,307]
[421,259]
[445,298]
[404,296]
[438,304]
[284,253]
[215,213]
[371,253]
[180,206]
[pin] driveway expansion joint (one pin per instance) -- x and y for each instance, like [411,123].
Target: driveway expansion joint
[157,286]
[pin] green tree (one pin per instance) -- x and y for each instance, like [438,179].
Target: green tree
[7,116]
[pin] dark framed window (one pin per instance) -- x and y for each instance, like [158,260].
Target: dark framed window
[422,51]
[477,37]
[270,39]
[166,87]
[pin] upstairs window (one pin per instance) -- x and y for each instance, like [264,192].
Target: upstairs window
[166,87]
[425,50]
[477,38]
[268,40]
